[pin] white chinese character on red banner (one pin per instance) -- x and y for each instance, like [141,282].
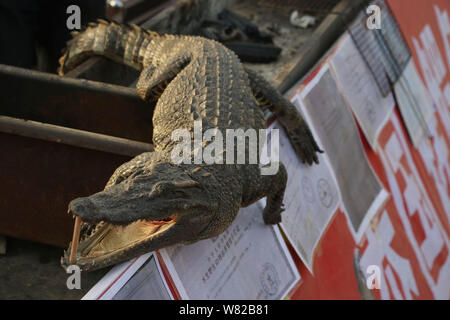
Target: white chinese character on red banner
[416,211]
[379,252]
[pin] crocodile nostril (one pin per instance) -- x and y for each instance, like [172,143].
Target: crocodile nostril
[81,207]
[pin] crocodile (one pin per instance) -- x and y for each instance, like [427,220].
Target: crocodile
[152,202]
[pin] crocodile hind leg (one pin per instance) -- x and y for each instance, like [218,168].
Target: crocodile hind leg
[270,186]
[296,127]
[153,80]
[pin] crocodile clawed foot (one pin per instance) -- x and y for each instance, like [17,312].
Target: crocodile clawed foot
[304,145]
[272,216]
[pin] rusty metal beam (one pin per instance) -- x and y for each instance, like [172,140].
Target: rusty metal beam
[38,180]
[75,103]
[73,137]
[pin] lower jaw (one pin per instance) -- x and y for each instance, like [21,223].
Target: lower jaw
[114,244]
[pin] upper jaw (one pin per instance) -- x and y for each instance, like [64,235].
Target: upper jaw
[121,206]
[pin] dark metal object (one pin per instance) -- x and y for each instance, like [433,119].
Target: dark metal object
[242,36]
[254,52]
[73,137]
[137,11]
[317,8]
[332,26]
[46,164]
[250,29]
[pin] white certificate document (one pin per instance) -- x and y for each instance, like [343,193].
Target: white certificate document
[140,278]
[414,102]
[361,192]
[249,260]
[360,90]
[311,199]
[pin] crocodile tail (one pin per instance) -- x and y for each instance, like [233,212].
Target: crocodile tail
[121,43]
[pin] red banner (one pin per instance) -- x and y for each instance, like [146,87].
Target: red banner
[409,238]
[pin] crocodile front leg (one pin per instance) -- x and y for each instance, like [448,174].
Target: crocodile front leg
[270,186]
[296,128]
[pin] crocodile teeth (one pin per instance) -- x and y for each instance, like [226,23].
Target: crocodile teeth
[75,240]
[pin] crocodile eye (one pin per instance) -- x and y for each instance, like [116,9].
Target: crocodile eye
[160,189]
[172,190]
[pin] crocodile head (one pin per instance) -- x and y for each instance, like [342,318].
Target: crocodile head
[143,208]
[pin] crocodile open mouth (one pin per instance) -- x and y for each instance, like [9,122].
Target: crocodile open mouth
[94,241]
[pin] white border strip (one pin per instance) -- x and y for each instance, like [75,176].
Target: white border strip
[178,284]
[118,276]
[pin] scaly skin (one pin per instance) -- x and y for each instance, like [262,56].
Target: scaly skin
[192,79]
